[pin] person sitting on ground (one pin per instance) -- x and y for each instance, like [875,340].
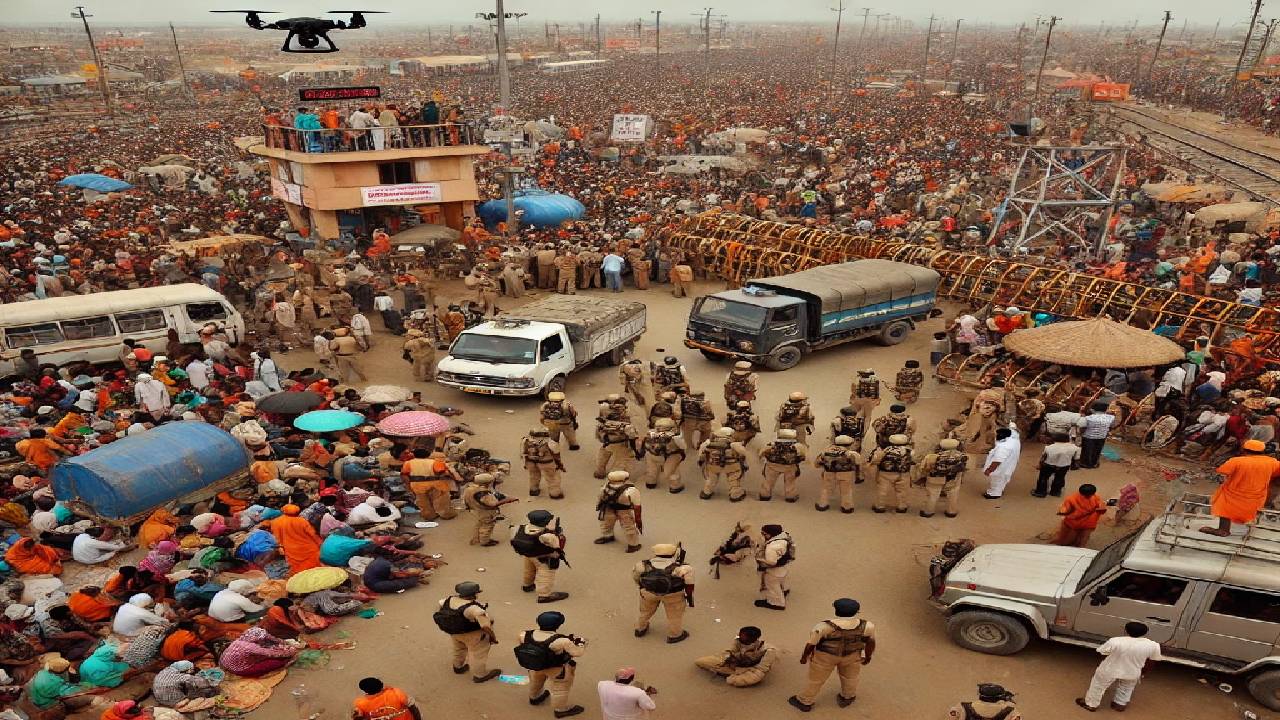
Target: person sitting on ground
[256,653]
[179,687]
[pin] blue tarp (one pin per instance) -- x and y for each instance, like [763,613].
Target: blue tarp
[138,473]
[540,208]
[94,181]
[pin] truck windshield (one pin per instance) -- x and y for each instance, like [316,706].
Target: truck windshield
[494,349]
[1109,557]
[719,311]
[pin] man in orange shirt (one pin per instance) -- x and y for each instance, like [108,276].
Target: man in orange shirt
[1080,513]
[40,451]
[383,703]
[1244,491]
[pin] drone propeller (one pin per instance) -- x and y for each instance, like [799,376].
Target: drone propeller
[255,12]
[361,12]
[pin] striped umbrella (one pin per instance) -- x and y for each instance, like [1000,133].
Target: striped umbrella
[414,423]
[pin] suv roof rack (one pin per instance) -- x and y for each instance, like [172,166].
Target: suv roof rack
[1180,527]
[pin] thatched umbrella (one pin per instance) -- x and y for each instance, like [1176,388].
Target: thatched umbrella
[1097,342]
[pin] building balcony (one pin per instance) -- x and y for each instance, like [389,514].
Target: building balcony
[350,145]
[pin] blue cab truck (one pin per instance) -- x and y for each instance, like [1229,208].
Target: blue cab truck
[776,321]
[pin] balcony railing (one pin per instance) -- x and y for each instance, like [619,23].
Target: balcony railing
[338,140]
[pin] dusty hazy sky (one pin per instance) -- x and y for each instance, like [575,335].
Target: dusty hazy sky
[1148,12]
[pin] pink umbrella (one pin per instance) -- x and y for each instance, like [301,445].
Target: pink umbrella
[414,423]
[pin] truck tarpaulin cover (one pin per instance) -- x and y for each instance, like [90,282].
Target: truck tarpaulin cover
[853,285]
[140,472]
[581,316]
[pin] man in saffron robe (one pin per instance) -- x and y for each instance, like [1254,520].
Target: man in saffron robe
[1244,491]
[298,539]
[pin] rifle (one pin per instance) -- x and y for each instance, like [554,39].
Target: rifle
[560,551]
[688,589]
[726,548]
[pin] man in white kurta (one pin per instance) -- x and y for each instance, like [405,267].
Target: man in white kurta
[1001,461]
[621,700]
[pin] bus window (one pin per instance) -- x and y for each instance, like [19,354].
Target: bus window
[139,321]
[29,335]
[205,311]
[88,328]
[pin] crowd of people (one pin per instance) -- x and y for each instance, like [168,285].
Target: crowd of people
[102,615]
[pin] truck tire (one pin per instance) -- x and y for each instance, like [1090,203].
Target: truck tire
[1265,688]
[987,632]
[894,333]
[713,357]
[784,358]
[555,384]
[618,355]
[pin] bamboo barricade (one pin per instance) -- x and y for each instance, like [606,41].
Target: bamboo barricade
[739,248]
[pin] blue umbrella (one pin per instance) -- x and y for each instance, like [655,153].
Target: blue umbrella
[328,420]
[94,181]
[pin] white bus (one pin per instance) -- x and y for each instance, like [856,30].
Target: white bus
[92,328]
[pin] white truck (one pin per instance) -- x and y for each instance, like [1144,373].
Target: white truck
[532,349]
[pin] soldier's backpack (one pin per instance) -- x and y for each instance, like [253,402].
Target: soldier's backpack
[909,378]
[452,620]
[613,432]
[896,459]
[790,412]
[836,461]
[855,426]
[950,463]
[669,375]
[868,388]
[660,581]
[553,411]
[537,654]
[783,452]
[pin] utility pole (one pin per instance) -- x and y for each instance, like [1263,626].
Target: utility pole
[657,36]
[80,15]
[499,17]
[1214,37]
[1253,21]
[181,68]
[866,11]
[924,69]
[955,43]
[639,29]
[597,36]
[1266,41]
[1053,20]
[1167,16]
[706,42]
[428,39]
[835,46]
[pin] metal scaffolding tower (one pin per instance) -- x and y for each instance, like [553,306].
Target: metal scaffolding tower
[1060,190]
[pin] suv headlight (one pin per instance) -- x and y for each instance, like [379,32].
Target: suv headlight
[746,346]
[520,382]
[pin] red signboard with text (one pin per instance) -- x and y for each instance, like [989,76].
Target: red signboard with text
[1110,92]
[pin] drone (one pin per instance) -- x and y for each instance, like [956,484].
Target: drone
[305,33]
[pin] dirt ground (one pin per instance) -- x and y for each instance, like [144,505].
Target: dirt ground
[881,560]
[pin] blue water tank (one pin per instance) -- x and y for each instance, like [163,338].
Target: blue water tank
[135,474]
[540,209]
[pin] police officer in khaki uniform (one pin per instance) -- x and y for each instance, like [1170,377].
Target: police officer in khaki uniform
[897,422]
[664,451]
[559,416]
[773,558]
[483,499]
[422,353]
[696,418]
[560,650]
[665,581]
[865,392]
[943,473]
[890,467]
[486,290]
[566,267]
[641,266]
[743,421]
[541,457]
[470,629]
[840,465]
[590,260]
[741,384]
[669,375]
[907,384]
[722,457]
[795,414]
[618,440]
[782,457]
[619,504]
[844,644]
[631,375]
[545,260]
[541,549]
[666,406]
[345,350]
[850,424]
[745,663]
